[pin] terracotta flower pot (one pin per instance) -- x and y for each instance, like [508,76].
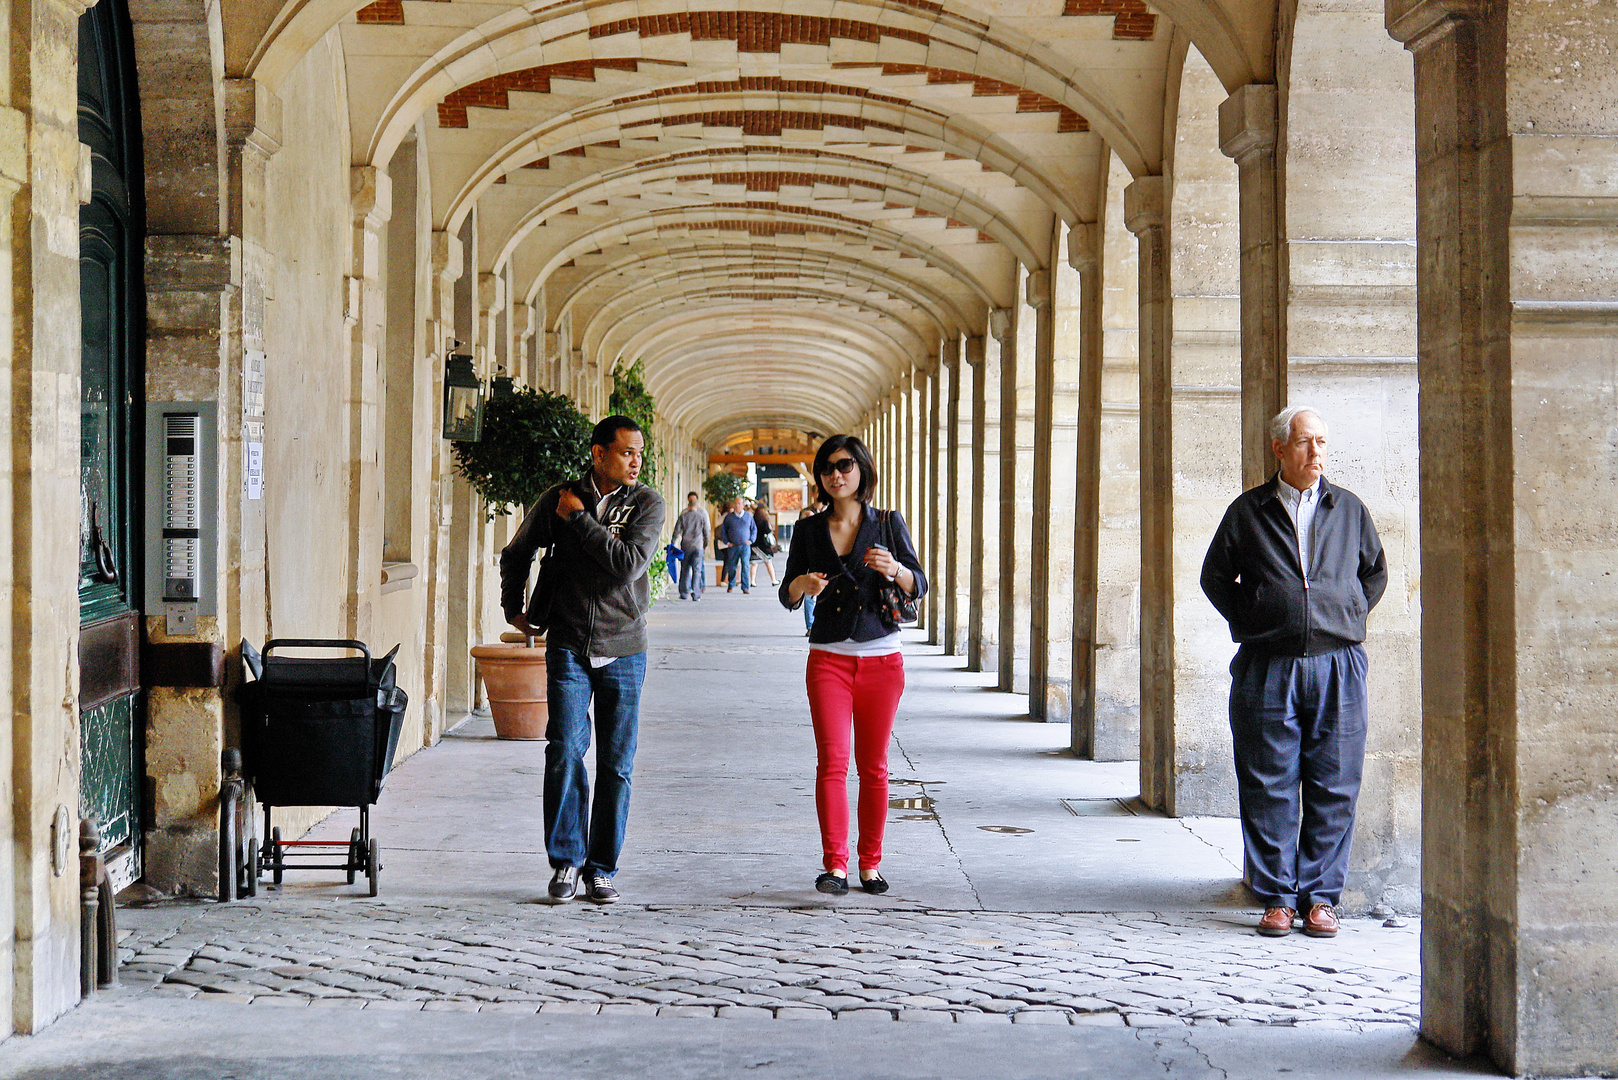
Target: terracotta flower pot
[514,676]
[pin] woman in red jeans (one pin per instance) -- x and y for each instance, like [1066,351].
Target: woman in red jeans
[842,556]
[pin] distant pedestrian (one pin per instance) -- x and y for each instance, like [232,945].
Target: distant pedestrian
[1295,568]
[691,538]
[846,557]
[765,545]
[602,531]
[738,531]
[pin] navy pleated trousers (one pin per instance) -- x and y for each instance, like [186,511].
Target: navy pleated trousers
[1298,725]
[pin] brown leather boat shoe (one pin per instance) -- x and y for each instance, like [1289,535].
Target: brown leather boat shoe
[1277,922]
[1321,921]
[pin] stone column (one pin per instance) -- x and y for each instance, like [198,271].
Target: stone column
[1517,267]
[963,387]
[371,203]
[982,499]
[904,434]
[444,260]
[1247,133]
[39,500]
[1084,256]
[1117,658]
[1016,494]
[987,437]
[947,581]
[938,492]
[1145,213]
[1043,499]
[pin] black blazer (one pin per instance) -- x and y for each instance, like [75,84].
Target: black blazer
[846,609]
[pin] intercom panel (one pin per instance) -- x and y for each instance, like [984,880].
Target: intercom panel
[182,520]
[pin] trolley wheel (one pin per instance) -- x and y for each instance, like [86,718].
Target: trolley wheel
[356,854]
[277,861]
[249,885]
[373,864]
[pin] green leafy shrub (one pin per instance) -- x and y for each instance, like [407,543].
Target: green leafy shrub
[724,488]
[532,440]
[631,398]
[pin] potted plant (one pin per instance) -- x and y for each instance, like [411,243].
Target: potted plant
[531,441]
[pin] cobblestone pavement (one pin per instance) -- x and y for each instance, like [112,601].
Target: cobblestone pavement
[790,963]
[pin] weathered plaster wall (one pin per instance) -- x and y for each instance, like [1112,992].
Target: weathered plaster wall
[1351,228]
[1205,273]
[307,429]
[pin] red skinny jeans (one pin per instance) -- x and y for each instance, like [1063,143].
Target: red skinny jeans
[859,693]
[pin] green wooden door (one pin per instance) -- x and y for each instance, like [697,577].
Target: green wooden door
[112,302]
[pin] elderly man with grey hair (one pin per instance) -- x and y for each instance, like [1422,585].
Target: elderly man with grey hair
[1294,569]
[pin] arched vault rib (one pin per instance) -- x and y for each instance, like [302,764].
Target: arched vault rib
[517,40]
[946,315]
[613,324]
[776,221]
[956,135]
[885,184]
[673,331]
[703,386]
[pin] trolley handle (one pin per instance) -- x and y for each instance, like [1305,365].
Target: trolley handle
[317,643]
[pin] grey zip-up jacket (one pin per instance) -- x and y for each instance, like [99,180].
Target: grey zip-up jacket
[599,585]
[1252,573]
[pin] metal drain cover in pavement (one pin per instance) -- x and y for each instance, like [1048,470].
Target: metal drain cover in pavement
[1098,808]
[1012,829]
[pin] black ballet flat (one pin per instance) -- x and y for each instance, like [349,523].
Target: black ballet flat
[832,884]
[875,886]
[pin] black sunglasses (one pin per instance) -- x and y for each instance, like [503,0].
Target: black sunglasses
[842,465]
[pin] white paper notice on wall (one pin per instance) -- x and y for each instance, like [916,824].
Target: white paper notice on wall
[255,470]
[253,383]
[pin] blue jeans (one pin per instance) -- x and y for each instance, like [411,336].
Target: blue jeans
[578,832]
[691,573]
[1298,725]
[738,559]
[808,612]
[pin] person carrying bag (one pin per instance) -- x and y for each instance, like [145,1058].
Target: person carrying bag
[860,566]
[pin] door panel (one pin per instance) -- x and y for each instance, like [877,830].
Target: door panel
[112,371]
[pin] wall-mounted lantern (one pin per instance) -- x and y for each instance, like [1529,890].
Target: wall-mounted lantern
[463,399]
[502,386]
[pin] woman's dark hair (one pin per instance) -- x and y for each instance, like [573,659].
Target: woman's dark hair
[862,457]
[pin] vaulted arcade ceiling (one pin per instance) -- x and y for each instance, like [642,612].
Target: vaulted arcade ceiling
[778,212]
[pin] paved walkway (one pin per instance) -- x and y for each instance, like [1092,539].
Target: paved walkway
[1030,895]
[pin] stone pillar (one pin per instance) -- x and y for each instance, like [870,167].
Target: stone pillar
[961,507]
[1016,493]
[1517,265]
[40,188]
[444,260]
[371,203]
[1047,697]
[1117,656]
[983,517]
[1247,133]
[1206,366]
[932,555]
[1084,256]
[904,434]
[948,580]
[1145,213]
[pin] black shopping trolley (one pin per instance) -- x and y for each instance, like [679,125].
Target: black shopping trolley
[317,732]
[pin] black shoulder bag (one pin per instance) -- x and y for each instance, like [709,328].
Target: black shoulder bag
[894,606]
